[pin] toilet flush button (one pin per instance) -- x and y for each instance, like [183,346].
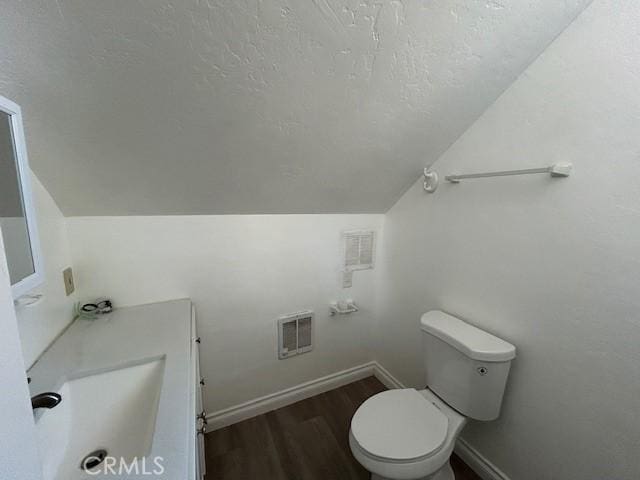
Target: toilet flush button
[482,370]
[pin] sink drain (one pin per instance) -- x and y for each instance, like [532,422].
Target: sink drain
[94,459]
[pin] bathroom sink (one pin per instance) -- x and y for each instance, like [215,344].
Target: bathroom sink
[113,411]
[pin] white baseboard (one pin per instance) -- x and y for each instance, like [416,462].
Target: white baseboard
[478,463]
[258,406]
[386,378]
[273,401]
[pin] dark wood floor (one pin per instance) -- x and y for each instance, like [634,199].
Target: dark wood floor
[308,440]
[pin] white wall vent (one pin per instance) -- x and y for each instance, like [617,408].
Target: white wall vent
[359,249]
[295,334]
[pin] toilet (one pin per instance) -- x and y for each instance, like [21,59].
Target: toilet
[408,434]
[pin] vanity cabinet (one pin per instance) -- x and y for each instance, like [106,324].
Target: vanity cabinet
[199,424]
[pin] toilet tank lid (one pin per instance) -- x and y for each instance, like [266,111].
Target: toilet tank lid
[469,340]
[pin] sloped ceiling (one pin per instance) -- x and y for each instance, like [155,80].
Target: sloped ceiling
[256,106]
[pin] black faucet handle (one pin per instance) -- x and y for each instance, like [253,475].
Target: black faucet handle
[46,400]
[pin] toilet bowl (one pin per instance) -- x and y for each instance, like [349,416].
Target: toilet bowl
[405,434]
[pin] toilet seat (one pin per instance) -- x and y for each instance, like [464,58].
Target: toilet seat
[399,426]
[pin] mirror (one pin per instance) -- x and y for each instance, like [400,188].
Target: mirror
[17,216]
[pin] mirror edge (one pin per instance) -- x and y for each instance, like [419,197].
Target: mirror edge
[24,174]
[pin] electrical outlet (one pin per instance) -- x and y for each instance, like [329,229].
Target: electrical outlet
[67,276]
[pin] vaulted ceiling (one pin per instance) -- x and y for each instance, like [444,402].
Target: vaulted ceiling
[256,106]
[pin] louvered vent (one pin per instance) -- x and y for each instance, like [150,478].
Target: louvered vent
[295,334]
[359,249]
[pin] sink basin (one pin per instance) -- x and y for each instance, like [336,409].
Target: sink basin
[112,410]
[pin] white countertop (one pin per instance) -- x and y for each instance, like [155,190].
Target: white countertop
[127,336]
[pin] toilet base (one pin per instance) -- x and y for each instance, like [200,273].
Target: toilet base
[445,473]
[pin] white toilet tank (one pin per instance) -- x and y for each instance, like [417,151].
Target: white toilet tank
[466,367]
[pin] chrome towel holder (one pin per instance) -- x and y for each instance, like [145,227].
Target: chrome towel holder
[562,169]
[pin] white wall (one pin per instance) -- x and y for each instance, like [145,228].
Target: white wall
[242,272]
[41,323]
[18,453]
[551,265]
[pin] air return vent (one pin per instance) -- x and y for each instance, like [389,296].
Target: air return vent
[295,334]
[359,250]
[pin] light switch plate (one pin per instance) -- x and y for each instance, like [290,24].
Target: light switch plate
[347,279]
[69,286]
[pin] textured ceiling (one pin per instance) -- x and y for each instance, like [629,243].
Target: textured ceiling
[256,106]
